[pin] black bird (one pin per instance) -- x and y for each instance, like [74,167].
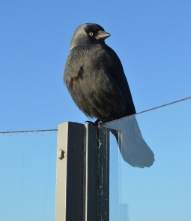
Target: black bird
[96,81]
[95,77]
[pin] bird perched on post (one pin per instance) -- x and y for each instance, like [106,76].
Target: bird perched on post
[96,81]
[95,77]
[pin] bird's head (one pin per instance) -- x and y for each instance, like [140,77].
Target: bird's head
[89,33]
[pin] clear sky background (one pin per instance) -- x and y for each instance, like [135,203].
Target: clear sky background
[162,191]
[151,37]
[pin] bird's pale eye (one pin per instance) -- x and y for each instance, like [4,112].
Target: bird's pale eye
[91,34]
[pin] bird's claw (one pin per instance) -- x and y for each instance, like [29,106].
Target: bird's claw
[96,123]
[90,123]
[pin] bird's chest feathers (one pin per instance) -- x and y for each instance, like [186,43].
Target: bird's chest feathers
[86,75]
[86,70]
[75,78]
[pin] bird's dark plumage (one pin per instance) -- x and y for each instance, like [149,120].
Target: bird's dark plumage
[96,81]
[95,77]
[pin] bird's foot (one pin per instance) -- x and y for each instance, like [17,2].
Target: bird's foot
[90,122]
[96,123]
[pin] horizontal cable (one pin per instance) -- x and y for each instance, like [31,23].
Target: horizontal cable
[54,130]
[27,131]
[165,105]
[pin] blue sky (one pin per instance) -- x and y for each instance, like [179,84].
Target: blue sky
[160,192]
[151,37]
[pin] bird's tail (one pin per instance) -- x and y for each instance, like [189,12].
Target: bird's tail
[132,145]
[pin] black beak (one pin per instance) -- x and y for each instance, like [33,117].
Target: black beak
[102,35]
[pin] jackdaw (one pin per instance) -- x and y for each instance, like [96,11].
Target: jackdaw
[95,77]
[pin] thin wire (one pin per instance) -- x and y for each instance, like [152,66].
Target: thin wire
[54,130]
[27,131]
[165,105]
